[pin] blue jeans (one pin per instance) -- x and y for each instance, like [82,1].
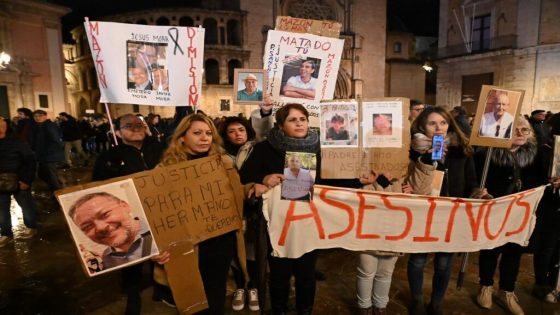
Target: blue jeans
[442,273]
[28,207]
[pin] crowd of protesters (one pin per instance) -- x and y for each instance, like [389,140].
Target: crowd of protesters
[256,147]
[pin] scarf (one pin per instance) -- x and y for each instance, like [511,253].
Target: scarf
[422,143]
[282,143]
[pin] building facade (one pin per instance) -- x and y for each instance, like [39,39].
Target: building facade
[236,34]
[30,32]
[509,43]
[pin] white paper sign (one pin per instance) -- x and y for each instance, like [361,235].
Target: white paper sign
[150,65]
[301,67]
[382,124]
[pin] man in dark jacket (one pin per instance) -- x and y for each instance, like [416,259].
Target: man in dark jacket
[72,137]
[542,130]
[135,153]
[16,158]
[48,147]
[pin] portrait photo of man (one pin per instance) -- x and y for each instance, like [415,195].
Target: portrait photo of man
[109,221]
[251,91]
[303,84]
[161,79]
[140,79]
[337,129]
[298,181]
[382,124]
[497,121]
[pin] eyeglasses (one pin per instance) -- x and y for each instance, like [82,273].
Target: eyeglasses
[524,131]
[133,126]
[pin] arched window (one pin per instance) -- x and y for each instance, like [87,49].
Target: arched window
[233,33]
[211,30]
[397,47]
[162,21]
[142,21]
[186,21]
[212,71]
[232,64]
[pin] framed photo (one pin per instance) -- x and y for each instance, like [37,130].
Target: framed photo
[108,226]
[494,123]
[248,86]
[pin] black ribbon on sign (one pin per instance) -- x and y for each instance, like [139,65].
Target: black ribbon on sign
[174,38]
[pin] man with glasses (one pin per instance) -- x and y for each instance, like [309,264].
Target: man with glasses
[108,220]
[135,153]
[416,109]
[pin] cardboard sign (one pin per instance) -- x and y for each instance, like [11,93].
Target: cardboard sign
[185,204]
[381,153]
[494,123]
[366,220]
[142,64]
[316,27]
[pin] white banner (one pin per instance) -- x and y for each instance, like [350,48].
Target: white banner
[367,220]
[150,65]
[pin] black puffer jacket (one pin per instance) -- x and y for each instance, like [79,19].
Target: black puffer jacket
[125,160]
[17,157]
[511,172]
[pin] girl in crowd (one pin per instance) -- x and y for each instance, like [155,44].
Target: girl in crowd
[511,170]
[156,127]
[196,137]
[459,181]
[239,138]
[266,165]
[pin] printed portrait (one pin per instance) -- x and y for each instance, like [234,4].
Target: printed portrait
[248,86]
[299,176]
[299,77]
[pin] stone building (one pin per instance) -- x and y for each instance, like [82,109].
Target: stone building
[30,32]
[235,38]
[510,43]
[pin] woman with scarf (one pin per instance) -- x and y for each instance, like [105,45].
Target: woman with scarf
[510,171]
[266,165]
[459,181]
[196,137]
[239,136]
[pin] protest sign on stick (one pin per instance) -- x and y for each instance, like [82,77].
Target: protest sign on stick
[143,64]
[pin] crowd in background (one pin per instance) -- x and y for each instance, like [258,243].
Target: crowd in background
[30,144]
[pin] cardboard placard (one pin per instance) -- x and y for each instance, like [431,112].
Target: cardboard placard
[494,123]
[185,203]
[318,27]
[352,162]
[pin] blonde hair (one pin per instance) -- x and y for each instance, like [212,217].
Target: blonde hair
[178,151]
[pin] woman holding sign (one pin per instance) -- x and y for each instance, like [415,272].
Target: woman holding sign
[511,170]
[196,137]
[459,180]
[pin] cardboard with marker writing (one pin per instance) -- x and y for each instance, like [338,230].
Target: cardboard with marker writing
[384,141]
[317,27]
[185,204]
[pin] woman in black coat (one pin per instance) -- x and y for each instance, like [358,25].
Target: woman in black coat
[511,170]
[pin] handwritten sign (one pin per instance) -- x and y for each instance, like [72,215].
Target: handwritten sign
[191,200]
[141,64]
[366,220]
[317,27]
[352,162]
[301,67]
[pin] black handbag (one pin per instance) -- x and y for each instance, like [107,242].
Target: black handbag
[8,182]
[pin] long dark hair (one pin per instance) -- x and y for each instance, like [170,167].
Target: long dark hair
[419,126]
[236,120]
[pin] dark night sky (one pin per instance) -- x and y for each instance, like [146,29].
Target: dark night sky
[417,16]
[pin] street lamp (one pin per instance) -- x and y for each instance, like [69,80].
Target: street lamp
[4,60]
[427,66]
